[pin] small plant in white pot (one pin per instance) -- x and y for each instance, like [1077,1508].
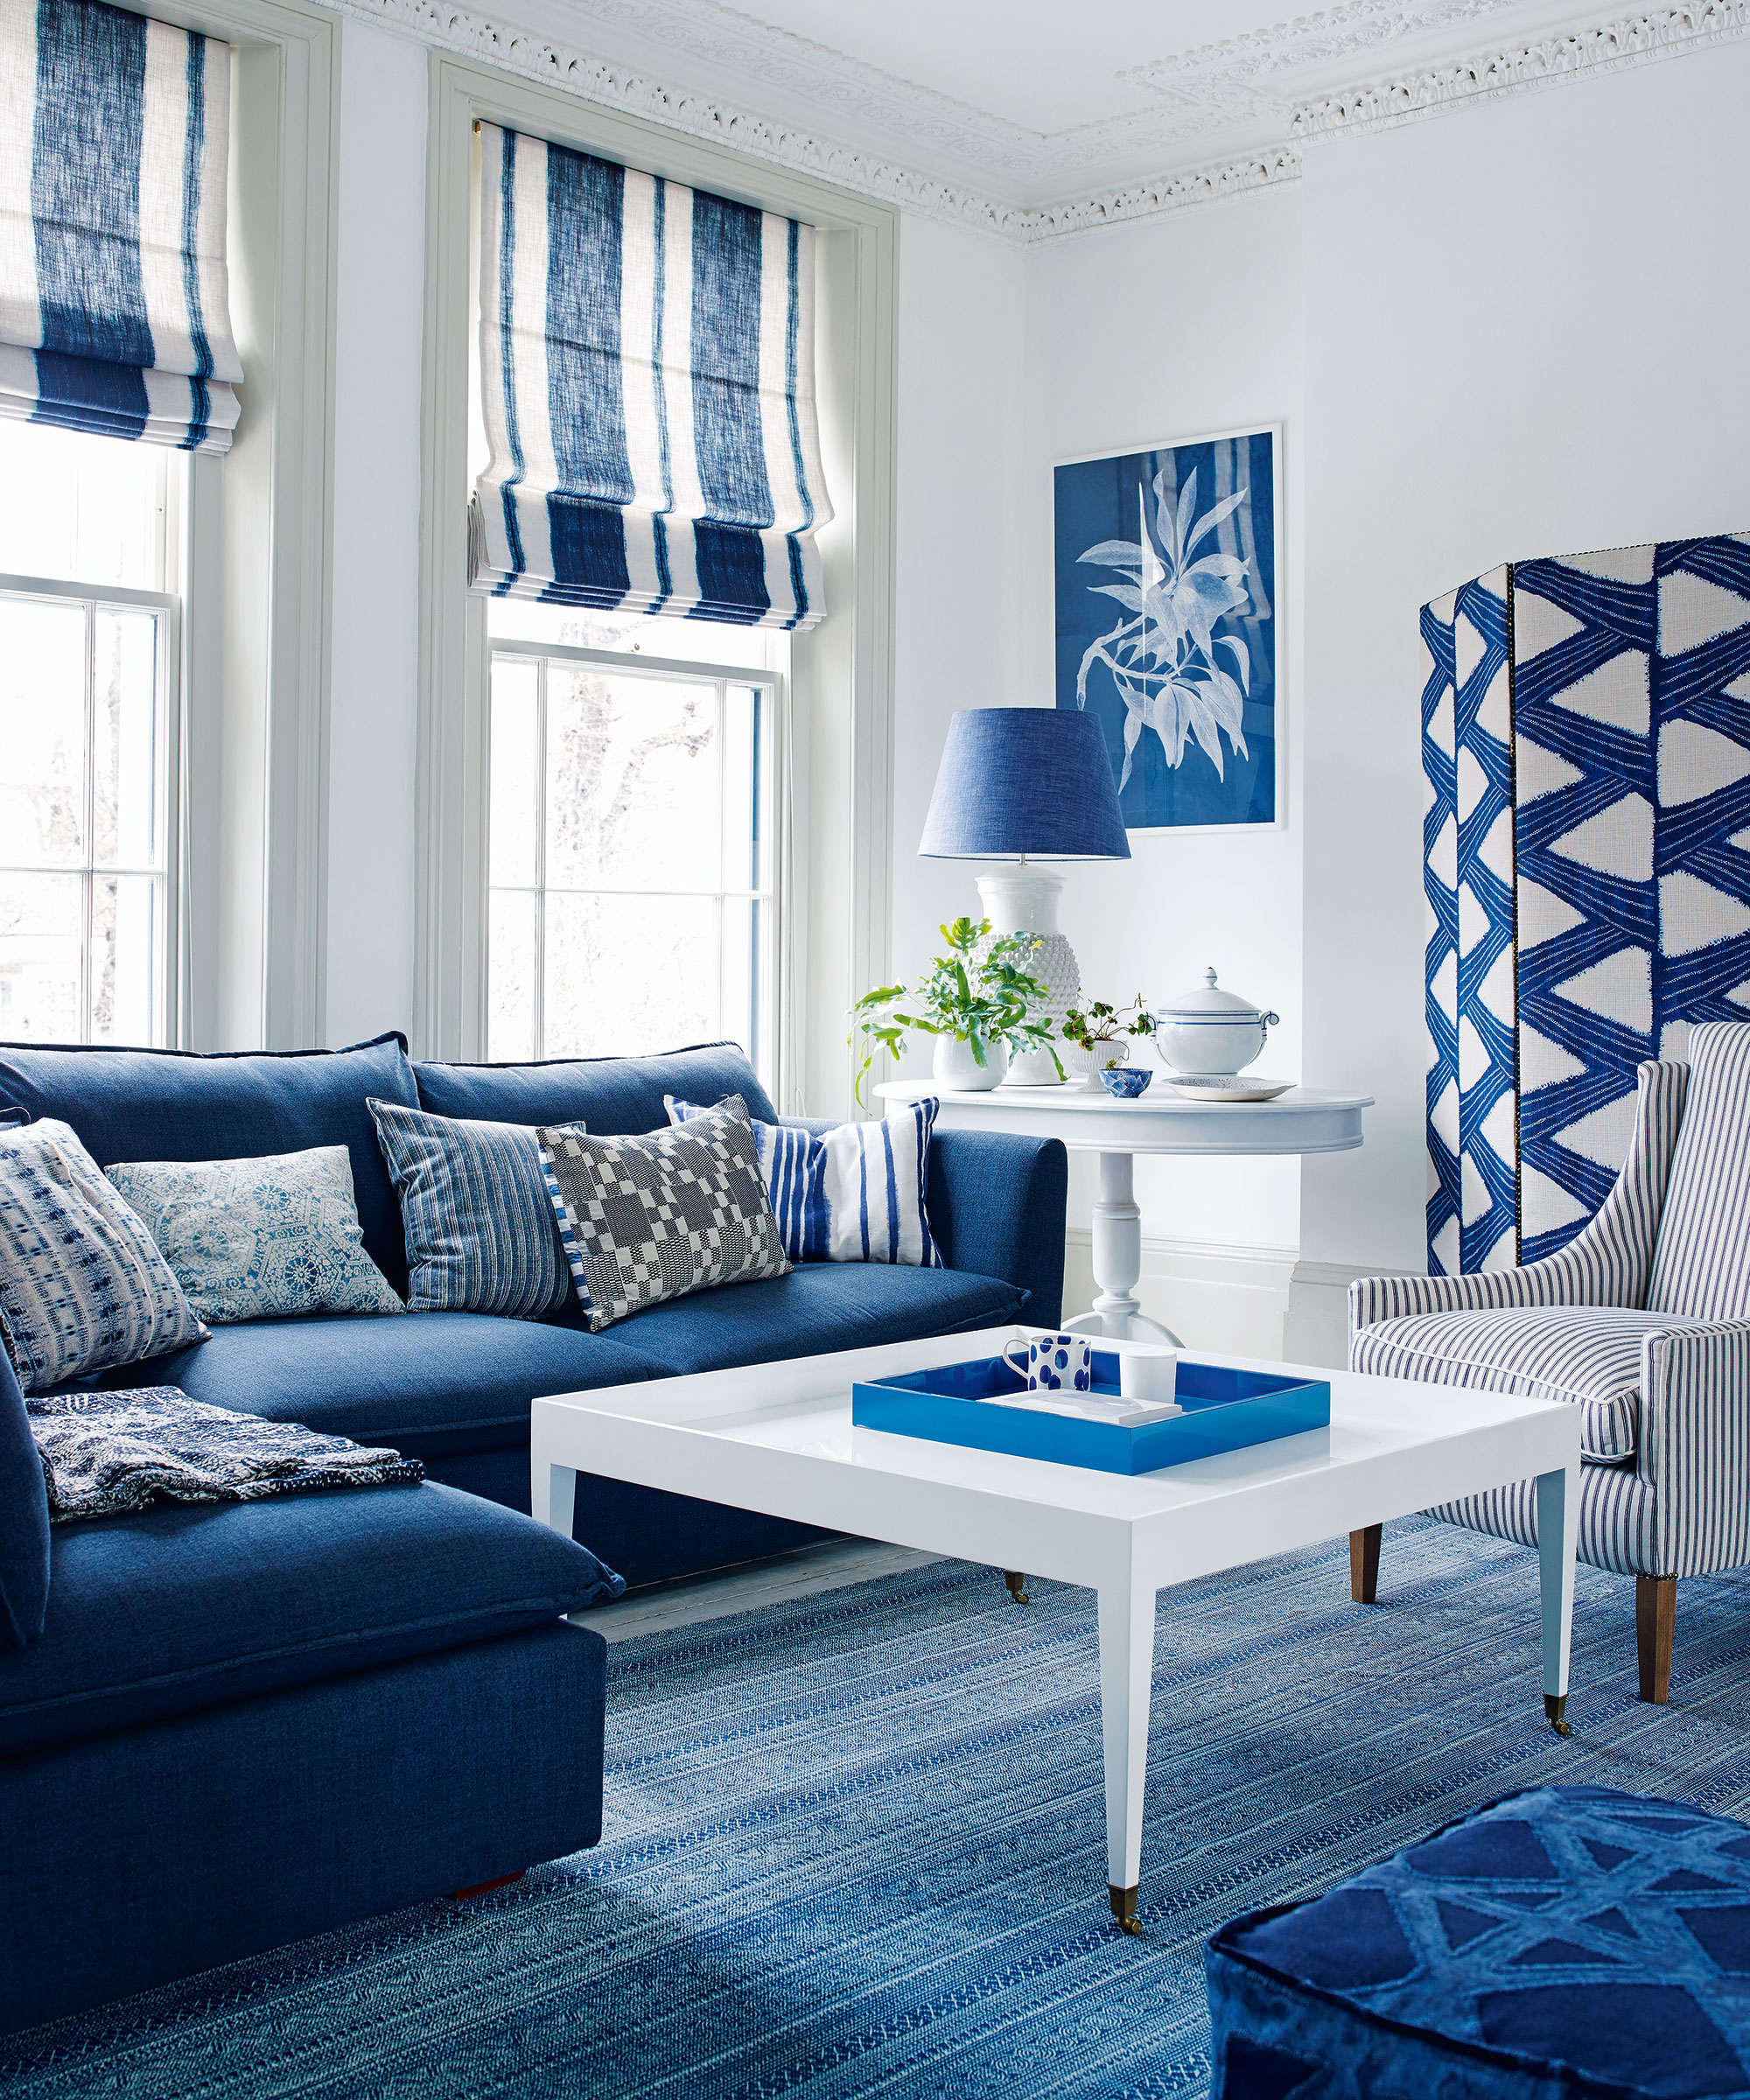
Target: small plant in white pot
[978,1002]
[1099,1034]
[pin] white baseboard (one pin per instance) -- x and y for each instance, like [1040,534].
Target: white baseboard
[1231,1300]
[1317,1328]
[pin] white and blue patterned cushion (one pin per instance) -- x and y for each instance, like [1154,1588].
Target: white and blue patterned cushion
[260,1239]
[854,1193]
[480,1232]
[82,1286]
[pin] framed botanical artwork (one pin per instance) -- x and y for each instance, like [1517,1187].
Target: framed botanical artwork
[1167,582]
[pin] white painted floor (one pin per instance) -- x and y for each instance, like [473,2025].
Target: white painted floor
[830,1565]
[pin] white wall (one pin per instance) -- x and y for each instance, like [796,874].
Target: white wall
[959,485]
[379,293]
[1171,329]
[1525,332]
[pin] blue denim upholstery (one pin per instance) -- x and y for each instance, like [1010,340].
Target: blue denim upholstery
[644,1533]
[24,1521]
[426,1384]
[997,1207]
[132,1859]
[614,1096]
[175,1608]
[817,1308]
[168,1105]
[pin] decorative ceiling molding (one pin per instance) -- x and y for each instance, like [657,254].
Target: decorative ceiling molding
[1661,33]
[1219,76]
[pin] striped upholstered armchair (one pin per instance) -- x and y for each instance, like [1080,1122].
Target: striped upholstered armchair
[1643,1321]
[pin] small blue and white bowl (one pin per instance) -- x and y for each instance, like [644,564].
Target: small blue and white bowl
[1124,1085]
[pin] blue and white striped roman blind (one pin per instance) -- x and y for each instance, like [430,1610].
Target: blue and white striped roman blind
[647,387]
[114,308]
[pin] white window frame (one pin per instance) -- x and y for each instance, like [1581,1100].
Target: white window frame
[836,878]
[93,599]
[766,1049]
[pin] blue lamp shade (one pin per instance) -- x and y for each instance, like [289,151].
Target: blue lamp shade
[1033,781]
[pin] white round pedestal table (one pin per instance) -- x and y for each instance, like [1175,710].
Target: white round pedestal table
[1299,1122]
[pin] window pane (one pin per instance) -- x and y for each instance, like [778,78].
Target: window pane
[515,774]
[741,974]
[124,959]
[650,635]
[124,788]
[633,795]
[510,976]
[41,933]
[629,975]
[81,506]
[42,731]
[744,841]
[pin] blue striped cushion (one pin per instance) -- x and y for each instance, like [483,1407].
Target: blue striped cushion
[856,1193]
[1587,1355]
[480,1231]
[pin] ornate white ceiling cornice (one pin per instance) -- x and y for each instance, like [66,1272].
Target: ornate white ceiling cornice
[1207,89]
[1661,33]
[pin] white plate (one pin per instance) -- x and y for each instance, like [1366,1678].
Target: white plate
[1212,1087]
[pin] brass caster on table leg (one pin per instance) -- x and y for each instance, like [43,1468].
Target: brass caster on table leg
[1017,1586]
[1554,1709]
[1123,1901]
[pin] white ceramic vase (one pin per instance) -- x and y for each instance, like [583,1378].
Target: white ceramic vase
[955,1070]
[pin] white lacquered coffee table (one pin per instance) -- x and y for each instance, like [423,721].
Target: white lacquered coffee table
[779,1438]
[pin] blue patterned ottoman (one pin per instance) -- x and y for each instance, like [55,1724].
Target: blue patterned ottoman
[1566,1940]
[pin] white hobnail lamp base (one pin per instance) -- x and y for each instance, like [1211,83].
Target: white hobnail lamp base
[1023,901]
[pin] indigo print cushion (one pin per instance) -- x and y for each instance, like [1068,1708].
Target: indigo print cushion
[1561,1942]
[856,1193]
[644,1219]
[82,1286]
[261,1239]
[480,1232]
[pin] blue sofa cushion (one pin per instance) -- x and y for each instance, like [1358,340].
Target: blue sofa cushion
[23,1520]
[428,1384]
[615,1096]
[818,1307]
[172,1104]
[1567,1940]
[169,1610]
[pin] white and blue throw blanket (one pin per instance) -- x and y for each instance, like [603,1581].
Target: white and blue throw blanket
[105,1453]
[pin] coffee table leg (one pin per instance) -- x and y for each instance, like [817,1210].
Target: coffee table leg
[552,1495]
[1126,1676]
[1558,1517]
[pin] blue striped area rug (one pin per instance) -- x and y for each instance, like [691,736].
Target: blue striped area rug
[854,1842]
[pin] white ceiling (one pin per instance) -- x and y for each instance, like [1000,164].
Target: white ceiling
[1031,102]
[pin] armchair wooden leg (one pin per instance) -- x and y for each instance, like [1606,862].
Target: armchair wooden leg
[1364,1564]
[1655,1621]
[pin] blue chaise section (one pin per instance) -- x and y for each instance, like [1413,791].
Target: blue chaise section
[234,1725]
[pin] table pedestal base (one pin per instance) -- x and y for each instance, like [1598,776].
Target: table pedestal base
[1118,1261]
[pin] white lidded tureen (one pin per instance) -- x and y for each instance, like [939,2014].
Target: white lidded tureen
[1206,1030]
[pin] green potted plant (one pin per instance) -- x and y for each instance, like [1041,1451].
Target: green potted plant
[1100,1032]
[978,1001]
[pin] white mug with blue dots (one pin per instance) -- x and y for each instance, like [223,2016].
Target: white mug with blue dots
[1054,1363]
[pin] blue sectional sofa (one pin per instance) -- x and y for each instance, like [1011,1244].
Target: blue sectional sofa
[224,1727]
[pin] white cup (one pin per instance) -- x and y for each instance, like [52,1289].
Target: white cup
[1150,1374]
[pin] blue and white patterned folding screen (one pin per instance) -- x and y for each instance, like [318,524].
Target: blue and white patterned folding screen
[114,312]
[1626,709]
[647,387]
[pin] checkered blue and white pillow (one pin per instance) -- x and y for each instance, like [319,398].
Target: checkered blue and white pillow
[856,1193]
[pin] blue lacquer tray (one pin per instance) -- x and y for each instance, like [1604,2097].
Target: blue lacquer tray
[1224,1411]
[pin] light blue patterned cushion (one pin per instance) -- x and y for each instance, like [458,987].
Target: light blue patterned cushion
[854,1193]
[260,1239]
[482,1236]
[82,1286]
